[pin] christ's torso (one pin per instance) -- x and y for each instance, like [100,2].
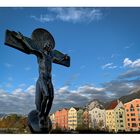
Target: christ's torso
[45,65]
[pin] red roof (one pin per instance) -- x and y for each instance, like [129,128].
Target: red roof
[112,105]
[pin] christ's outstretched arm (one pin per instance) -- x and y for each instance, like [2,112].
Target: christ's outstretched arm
[60,58]
[27,46]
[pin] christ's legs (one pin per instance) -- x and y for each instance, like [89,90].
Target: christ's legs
[50,99]
[38,96]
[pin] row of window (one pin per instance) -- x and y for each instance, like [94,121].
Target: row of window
[133,124]
[97,116]
[132,109]
[120,121]
[72,117]
[72,124]
[72,120]
[133,114]
[133,119]
[121,125]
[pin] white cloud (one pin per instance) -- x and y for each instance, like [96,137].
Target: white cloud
[18,101]
[129,63]
[109,66]
[86,88]
[112,67]
[16,91]
[31,90]
[70,15]
[23,101]
[22,85]
[62,90]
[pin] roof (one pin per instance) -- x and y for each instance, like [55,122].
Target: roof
[112,105]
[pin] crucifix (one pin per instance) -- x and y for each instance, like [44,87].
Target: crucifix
[41,44]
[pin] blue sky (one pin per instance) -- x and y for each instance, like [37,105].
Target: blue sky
[103,44]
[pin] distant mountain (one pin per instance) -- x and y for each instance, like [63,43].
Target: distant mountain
[2,115]
[127,98]
[95,103]
[130,97]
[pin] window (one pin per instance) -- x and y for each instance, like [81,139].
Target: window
[127,114]
[128,119]
[127,110]
[131,106]
[116,112]
[132,114]
[138,119]
[121,120]
[121,125]
[128,124]
[133,119]
[138,109]
[137,105]
[120,115]
[134,124]
[132,109]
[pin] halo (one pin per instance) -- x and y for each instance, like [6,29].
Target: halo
[42,36]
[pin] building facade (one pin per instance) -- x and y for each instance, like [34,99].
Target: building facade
[132,113]
[61,119]
[72,118]
[86,119]
[97,116]
[115,116]
[64,118]
[80,118]
[52,117]
[119,113]
[57,119]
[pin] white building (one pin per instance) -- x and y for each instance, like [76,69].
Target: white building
[52,118]
[97,117]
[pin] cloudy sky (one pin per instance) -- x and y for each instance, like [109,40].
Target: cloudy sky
[103,44]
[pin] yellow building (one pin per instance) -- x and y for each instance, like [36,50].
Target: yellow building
[113,123]
[110,120]
[72,118]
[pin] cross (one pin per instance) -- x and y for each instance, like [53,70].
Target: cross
[42,45]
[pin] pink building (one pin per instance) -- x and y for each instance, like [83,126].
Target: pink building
[61,118]
[132,113]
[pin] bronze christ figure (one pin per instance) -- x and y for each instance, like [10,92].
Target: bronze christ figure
[41,44]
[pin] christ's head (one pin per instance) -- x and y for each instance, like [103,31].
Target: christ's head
[43,39]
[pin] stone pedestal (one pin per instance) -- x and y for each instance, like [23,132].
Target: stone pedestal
[33,123]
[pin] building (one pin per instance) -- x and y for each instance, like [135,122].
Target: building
[64,119]
[80,118]
[115,116]
[57,119]
[86,119]
[119,113]
[72,118]
[61,119]
[52,117]
[132,113]
[97,116]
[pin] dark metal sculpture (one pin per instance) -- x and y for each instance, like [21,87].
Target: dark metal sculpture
[40,44]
